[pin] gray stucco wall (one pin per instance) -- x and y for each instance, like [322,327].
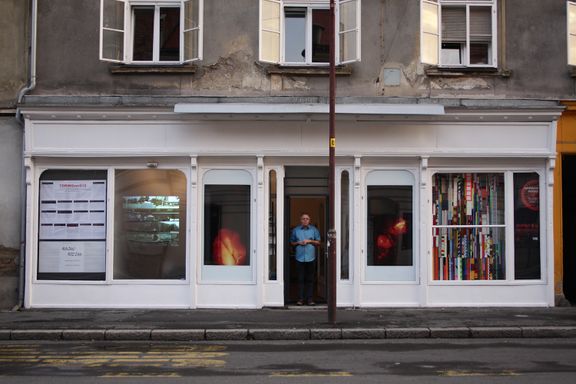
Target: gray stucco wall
[534,52]
[10,183]
[13,45]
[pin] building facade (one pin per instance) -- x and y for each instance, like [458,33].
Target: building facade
[13,76]
[170,147]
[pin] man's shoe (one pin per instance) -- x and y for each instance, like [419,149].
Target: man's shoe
[299,302]
[311,302]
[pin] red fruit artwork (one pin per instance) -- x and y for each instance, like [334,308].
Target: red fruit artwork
[228,249]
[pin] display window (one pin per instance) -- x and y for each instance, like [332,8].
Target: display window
[150,224]
[390,226]
[469,226]
[72,225]
[227,226]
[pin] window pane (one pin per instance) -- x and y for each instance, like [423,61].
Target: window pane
[468,198]
[112,45]
[430,49]
[479,53]
[143,34]
[191,14]
[150,224]
[191,45]
[390,225]
[320,35]
[113,13]
[345,226]
[169,34]
[481,24]
[468,253]
[526,226]
[72,225]
[347,16]
[270,46]
[272,223]
[271,15]
[454,24]
[295,36]
[430,19]
[348,46]
[227,225]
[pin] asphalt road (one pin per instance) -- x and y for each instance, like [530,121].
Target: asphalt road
[384,361]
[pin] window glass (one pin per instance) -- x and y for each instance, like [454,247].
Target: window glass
[295,35]
[169,34]
[468,226]
[526,226]
[320,35]
[345,226]
[227,225]
[150,224]
[390,225]
[72,225]
[143,44]
[272,227]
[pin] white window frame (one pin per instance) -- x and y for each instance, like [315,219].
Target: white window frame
[431,35]
[571,31]
[128,31]
[278,32]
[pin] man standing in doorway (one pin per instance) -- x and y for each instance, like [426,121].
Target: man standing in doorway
[305,237]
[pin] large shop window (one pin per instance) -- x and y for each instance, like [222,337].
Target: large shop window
[296,32]
[390,226]
[150,224]
[72,225]
[151,31]
[458,33]
[227,226]
[469,228]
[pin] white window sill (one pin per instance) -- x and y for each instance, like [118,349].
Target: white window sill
[152,68]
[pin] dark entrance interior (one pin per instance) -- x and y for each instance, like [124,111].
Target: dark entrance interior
[305,190]
[569,225]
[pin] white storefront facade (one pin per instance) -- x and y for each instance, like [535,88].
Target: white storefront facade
[191,206]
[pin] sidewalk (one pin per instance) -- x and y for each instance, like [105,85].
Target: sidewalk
[293,323]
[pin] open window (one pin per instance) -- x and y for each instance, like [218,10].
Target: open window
[458,33]
[155,32]
[296,32]
[571,33]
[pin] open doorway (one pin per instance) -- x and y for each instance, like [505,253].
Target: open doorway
[569,225]
[306,191]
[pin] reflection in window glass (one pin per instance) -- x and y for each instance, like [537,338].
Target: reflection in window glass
[169,34]
[345,226]
[272,220]
[143,48]
[227,225]
[150,224]
[295,41]
[526,226]
[390,225]
[320,35]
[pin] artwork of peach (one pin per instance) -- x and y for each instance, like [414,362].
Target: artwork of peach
[228,249]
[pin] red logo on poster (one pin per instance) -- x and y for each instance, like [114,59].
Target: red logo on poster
[530,195]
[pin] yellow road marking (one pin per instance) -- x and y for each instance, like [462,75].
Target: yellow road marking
[455,373]
[311,374]
[142,375]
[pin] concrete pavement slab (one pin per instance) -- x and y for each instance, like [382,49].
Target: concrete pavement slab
[36,334]
[363,333]
[552,332]
[279,334]
[496,332]
[325,333]
[127,334]
[226,334]
[407,333]
[450,333]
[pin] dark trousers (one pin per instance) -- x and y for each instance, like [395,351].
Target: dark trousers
[306,277]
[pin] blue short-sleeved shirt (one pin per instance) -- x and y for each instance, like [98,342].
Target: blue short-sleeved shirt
[305,253]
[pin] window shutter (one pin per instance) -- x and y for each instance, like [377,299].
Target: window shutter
[454,24]
[270,12]
[191,26]
[571,14]
[112,30]
[429,31]
[481,24]
[349,30]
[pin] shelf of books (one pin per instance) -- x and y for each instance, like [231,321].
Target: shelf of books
[468,226]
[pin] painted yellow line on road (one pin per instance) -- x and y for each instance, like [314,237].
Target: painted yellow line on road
[455,373]
[311,374]
[140,375]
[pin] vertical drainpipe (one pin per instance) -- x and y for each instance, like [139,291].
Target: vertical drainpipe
[24,182]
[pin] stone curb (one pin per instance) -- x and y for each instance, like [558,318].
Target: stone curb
[287,333]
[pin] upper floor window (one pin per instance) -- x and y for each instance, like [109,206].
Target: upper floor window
[571,22]
[297,32]
[151,31]
[458,33]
